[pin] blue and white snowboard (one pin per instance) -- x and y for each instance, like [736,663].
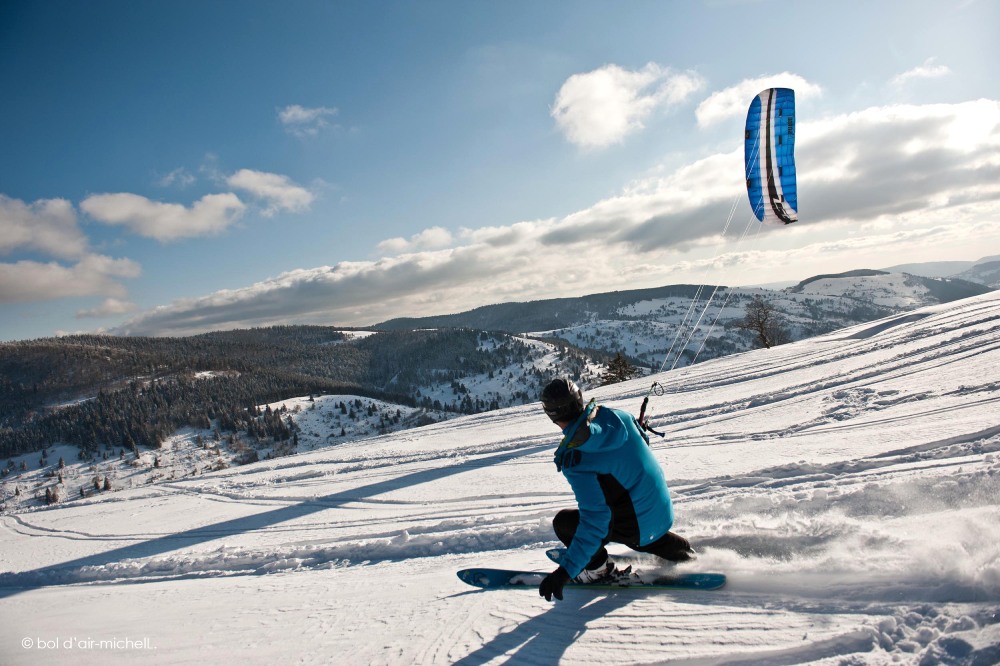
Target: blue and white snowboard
[491,579]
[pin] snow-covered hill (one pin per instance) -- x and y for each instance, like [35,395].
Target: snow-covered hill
[320,421]
[675,331]
[479,366]
[63,473]
[518,381]
[849,485]
[987,273]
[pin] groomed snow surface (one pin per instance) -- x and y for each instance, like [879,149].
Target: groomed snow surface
[848,485]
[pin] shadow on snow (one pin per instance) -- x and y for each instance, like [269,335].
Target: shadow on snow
[15,583]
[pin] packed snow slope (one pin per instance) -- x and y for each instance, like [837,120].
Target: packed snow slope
[848,485]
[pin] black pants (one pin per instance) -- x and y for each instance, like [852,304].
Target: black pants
[670,546]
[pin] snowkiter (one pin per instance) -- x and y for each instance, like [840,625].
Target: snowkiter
[621,494]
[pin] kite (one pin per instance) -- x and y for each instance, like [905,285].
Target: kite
[769,154]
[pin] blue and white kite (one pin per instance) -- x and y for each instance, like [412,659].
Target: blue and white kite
[769,153]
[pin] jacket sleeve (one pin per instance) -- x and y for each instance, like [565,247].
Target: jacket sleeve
[595,521]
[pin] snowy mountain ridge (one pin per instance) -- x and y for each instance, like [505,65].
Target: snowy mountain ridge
[675,331]
[666,327]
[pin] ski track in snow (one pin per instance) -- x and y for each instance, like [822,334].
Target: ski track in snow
[848,485]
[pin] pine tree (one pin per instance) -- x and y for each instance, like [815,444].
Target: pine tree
[619,370]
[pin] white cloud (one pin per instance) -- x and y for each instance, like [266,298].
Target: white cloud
[898,176]
[735,100]
[279,192]
[599,108]
[180,177]
[47,225]
[355,290]
[433,238]
[926,71]
[93,275]
[304,121]
[211,214]
[109,308]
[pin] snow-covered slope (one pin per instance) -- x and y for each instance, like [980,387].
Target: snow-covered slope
[320,421]
[987,273]
[849,485]
[675,331]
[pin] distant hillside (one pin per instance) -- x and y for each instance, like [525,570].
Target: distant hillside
[666,325]
[940,290]
[121,392]
[952,289]
[939,269]
[559,313]
[986,273]
[800,287]
[544,314]
[965,270]
[127,393]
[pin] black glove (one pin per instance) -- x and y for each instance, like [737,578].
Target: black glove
[552,585]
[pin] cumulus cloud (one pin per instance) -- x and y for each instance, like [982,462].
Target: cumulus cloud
[881,176]
[433,238]
[47,225]
[354,289]
[896,159]
[93,275]
[733,101]
[599,108]
[211,214]
[926,71]
[304,121]
[278,192]
[109,308]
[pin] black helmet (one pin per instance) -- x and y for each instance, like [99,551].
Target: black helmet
[562,399]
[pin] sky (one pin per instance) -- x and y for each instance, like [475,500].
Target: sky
[170,168]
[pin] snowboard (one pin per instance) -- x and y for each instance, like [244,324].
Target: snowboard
[491,579]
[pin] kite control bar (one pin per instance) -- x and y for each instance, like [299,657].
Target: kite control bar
[643,419]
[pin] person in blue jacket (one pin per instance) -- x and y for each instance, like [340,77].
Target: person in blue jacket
[621,494]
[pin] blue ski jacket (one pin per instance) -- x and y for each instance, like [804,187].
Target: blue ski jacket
[617,482]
